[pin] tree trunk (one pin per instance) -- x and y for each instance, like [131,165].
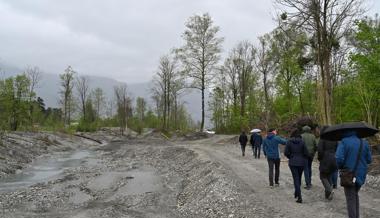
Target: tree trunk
[266,94]
[203,102]
[300,99]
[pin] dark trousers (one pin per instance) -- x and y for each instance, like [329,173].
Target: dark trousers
[308,171]
[256,151]
[297,176]
[276,164]
[326,180]
[334,178]
[242,149]
[352,201]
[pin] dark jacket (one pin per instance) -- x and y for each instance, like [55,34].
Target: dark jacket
[326,156]
[256,140]
[296,152]
[243,139]
[347,152]
[309,140]
[270,146]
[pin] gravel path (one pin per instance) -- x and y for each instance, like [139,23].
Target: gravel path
[254,173]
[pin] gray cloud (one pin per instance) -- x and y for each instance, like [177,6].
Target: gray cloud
[122,39]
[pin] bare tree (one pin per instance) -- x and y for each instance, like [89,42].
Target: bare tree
[82,87]
[164,81]
[177,90]
[243,58]
[229,74]
[99,100]
[34,75]
[123,102]
[265,65]
[110,108]
[328,21]
[66,93]
[140,108]
[201,53]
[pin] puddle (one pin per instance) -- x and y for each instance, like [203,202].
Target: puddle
[139,182]
[44,169]
[142,182]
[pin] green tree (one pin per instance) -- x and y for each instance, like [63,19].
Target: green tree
[289,49]
[14,96]
[328,22]
[200,53]
[66,94]
[365,60]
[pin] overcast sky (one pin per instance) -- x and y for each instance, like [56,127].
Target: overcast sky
[121,39]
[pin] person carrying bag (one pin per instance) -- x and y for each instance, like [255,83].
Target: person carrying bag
[353,156]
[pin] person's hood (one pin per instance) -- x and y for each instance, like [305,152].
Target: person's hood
[306,129]
[270,135]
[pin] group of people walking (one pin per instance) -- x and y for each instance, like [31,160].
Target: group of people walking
[351,153]
[256,140]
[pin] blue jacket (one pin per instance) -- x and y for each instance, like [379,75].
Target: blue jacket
[256,140]
[346,155]
[296,152]
[270,146]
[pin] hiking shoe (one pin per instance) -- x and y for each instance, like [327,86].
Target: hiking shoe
[271,186]
[308,187]
[277,184]
[327,194]
[299,200]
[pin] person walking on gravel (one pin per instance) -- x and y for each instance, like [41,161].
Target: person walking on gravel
[327,163]
[297,154]
[272,153]
[243,139]
[354,154]
[311,145]
[256,141]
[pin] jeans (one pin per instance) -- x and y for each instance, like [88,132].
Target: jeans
[276,164]
[334,178]
[352,201]
[297,175]
[308,171]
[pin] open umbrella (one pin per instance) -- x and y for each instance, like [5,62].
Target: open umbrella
[336,132]
[255,130]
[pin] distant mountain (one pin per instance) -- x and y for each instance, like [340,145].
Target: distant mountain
[49,87]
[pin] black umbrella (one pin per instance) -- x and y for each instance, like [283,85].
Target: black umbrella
[336,132]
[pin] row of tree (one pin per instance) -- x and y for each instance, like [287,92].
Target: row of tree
[82,108]
[322,60]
